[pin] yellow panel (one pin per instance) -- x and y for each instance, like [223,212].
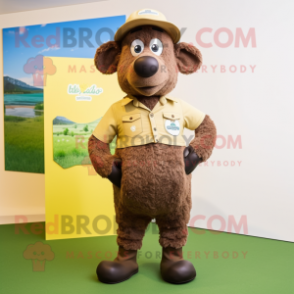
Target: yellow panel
[76,193]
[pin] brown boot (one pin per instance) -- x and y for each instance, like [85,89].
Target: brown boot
[119,270]
[174,269]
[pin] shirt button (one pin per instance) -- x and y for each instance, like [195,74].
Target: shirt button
[151,114]
[156,140]
[131,118]
[154,129]
[172,116]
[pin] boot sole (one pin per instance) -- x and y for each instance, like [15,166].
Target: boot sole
[116,282]
[180,283]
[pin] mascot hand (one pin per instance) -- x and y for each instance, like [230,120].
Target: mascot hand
[191,159]
[115,176]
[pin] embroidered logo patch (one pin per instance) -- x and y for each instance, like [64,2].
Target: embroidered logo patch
[173,127]
[133,128]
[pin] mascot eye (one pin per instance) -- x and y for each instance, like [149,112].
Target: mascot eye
[137,47]
[156,46]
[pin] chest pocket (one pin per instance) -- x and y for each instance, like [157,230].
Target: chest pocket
[172,123]
[132,125]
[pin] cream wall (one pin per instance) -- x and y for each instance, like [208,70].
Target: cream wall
[258,107]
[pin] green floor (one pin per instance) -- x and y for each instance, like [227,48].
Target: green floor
[268,266]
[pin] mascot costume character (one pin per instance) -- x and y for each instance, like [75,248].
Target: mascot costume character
[151,168]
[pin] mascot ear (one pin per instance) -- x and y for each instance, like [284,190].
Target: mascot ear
[107,57]
[189,58]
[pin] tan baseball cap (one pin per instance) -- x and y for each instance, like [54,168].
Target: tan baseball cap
[148,17]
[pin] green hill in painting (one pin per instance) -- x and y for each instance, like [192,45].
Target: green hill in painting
[12,85]
[60,120]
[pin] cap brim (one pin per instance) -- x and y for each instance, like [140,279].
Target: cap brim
[170,28]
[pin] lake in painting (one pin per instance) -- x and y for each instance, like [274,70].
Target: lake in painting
[23,105]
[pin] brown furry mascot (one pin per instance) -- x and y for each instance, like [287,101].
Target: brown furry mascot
[151,168]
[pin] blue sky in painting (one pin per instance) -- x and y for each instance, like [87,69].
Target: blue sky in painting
[22,43]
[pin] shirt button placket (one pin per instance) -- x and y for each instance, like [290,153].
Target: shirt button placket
[153,125]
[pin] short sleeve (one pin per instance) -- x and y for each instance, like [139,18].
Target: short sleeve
[106,129]
[192,116]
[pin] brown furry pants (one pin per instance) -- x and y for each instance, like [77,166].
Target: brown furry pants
[131,230]
[131,227]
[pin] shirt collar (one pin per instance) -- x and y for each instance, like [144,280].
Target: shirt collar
[163,99]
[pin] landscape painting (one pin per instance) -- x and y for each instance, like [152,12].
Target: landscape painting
[24,56]
[70,142]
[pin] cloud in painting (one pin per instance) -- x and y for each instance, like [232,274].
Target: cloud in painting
[53,47]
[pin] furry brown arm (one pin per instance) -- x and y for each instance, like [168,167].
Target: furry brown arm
[100,156]
[205,136]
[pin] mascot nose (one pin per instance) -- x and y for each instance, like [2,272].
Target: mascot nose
[146,66]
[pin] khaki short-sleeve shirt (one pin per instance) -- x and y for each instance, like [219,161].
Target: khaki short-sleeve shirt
[135,124]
